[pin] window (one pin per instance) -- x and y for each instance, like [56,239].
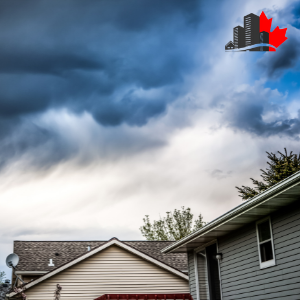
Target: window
[265,243]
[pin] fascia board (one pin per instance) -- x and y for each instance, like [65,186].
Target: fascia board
[240,209]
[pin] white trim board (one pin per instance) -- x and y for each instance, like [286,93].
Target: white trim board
[31,272]
[98,249]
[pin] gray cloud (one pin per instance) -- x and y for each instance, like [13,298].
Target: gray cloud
[220,174]
[45,145]
[287,54]
[93,58]
[296,13]
[121,62]
[286,57]
[255,111]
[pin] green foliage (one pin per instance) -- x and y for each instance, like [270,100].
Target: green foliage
[280,167]
[173,227]
[2,277]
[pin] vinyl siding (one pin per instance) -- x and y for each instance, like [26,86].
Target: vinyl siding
[192,275]
[241,275]
[199,275]
[113,270]
[202,277]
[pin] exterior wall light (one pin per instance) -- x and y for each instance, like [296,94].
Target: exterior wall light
[219,256]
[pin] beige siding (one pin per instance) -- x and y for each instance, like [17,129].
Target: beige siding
[113,270]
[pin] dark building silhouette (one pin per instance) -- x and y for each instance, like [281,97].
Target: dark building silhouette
[264,38]
[249,35]
[229,46]
[239,37]
[251,25]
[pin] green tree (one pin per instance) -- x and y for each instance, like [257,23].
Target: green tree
[279,168]
[2,276]
[173,227]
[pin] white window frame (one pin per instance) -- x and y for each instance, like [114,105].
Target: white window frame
[269,263]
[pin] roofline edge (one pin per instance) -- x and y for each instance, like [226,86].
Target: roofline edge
[288,182]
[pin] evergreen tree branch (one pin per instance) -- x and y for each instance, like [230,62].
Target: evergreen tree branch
[279,167]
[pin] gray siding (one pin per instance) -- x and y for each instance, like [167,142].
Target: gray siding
[199,275]
[202,276]
[192,275]
[241,275]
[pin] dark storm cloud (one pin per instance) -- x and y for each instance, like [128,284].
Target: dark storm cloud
[286,56]
[249,117]
[249,109]
[93,57]
[253,112]
[120,61]
[130,109]
[19,137]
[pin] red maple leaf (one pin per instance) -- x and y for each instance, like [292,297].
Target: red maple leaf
[264,23]
[277,36]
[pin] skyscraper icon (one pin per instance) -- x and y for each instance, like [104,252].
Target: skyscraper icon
[251,25]
[247,35]
[239,37]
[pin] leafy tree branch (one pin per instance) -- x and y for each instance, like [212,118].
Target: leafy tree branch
[173,227]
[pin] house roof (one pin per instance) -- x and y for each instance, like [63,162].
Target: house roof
[113,241]
[230,42]
[276,197]
[35,255]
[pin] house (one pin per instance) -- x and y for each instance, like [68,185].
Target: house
[89,270]
[250,252]
[229,46]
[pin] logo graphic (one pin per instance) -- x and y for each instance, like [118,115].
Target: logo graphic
[256,35]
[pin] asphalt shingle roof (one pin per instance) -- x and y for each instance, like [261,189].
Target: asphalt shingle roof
[35,255]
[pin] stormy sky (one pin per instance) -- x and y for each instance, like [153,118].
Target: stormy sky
[112,109]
